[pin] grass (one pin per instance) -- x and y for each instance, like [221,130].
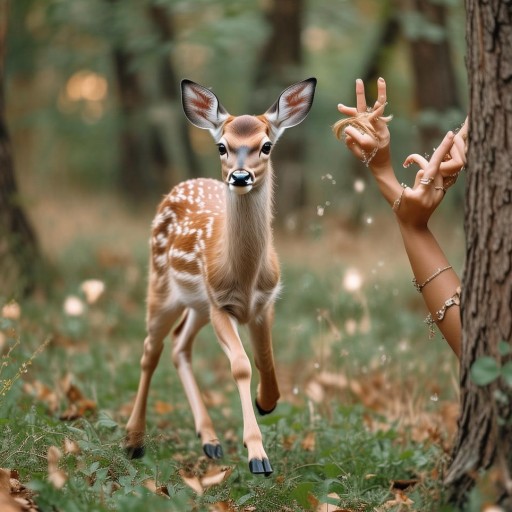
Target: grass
[367,403]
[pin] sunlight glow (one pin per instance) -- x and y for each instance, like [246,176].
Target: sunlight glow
[86,85]
[352,281]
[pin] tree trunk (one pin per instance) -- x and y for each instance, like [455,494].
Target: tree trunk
[485,426]
[173,130]
[279,62]
[436,91]
[19,251]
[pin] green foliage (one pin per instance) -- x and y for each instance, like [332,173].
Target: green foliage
[487,369]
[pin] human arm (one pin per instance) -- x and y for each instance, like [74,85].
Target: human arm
[413,206]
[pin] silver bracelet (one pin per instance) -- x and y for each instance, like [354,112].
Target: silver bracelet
[454,300]
[420,287]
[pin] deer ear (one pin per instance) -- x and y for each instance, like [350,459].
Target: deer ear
[202,107]
[291,107]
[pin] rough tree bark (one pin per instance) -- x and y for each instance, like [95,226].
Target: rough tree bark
[19,250]
[484,439]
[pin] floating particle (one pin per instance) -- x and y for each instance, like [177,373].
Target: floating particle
[359,186]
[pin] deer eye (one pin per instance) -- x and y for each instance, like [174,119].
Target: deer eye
[222,149]
[265,149]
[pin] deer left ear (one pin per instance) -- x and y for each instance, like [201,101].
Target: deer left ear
[292,106]
[203,108]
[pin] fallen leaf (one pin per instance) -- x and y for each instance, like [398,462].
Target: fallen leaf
[11,310]
[328,507]
[93,289]
[309,442]
[71,447]
[162,407]
[215,476]
[56,476]
[192,481]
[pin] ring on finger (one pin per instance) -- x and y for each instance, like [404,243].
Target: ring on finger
[441,188]
[426,181]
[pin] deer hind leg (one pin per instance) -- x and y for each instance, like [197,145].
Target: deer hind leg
[227,334]
[160,319]
[261,341]
[184,336]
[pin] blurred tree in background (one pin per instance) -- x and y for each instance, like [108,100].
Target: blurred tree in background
[19,250]
[94,105]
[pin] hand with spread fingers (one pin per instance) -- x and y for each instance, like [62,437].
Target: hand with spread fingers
[453,162]
[366,134]
[415,205]
[365,131]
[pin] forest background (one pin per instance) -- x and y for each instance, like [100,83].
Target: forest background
[98,136]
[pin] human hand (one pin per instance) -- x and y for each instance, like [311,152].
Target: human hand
[365,131]
[453,162]
[415,205]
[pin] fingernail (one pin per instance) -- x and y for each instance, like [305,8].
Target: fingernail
[381,79]
[340,105]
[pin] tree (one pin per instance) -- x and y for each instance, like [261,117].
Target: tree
[484,440]
[152,121]
[430,49]
[279,61]
[19,250]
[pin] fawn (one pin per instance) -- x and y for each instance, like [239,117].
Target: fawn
[213,259]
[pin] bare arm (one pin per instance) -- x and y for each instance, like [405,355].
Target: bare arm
[435,278]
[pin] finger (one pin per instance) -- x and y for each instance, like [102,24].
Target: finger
[379,110]
[421,161]
[363,139]
[440,152]
[463,132]
[381,92]
[349,111]
[360,96]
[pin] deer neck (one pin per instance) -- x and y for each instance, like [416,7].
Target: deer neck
[247,232]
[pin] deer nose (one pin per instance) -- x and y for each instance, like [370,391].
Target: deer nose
[240,181]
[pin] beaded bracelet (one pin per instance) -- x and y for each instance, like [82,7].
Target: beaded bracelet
[397,202]
[454,300]
[419,287]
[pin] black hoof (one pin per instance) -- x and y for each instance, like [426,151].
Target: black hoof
[214,451]
[135,452]
[263,412]
[260,467]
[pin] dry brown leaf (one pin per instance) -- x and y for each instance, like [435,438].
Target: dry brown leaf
[192,481]
[93,289]
[43,393]
[79,406]
[308,444]
[401,500]
[162,407]
[11,310]
[56,476]
[327,507]
[71,447]
[215,476]
[401,485]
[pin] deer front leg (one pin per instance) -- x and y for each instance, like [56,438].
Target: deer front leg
[225,328]
[184,336]
[261,340]
[159,324]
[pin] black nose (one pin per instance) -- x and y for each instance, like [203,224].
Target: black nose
[240,178]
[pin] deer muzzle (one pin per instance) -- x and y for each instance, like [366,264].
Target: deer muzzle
[240,181]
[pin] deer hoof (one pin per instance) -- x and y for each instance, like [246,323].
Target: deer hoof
[135,452]
[260,467]
[213,451]
[263,412]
